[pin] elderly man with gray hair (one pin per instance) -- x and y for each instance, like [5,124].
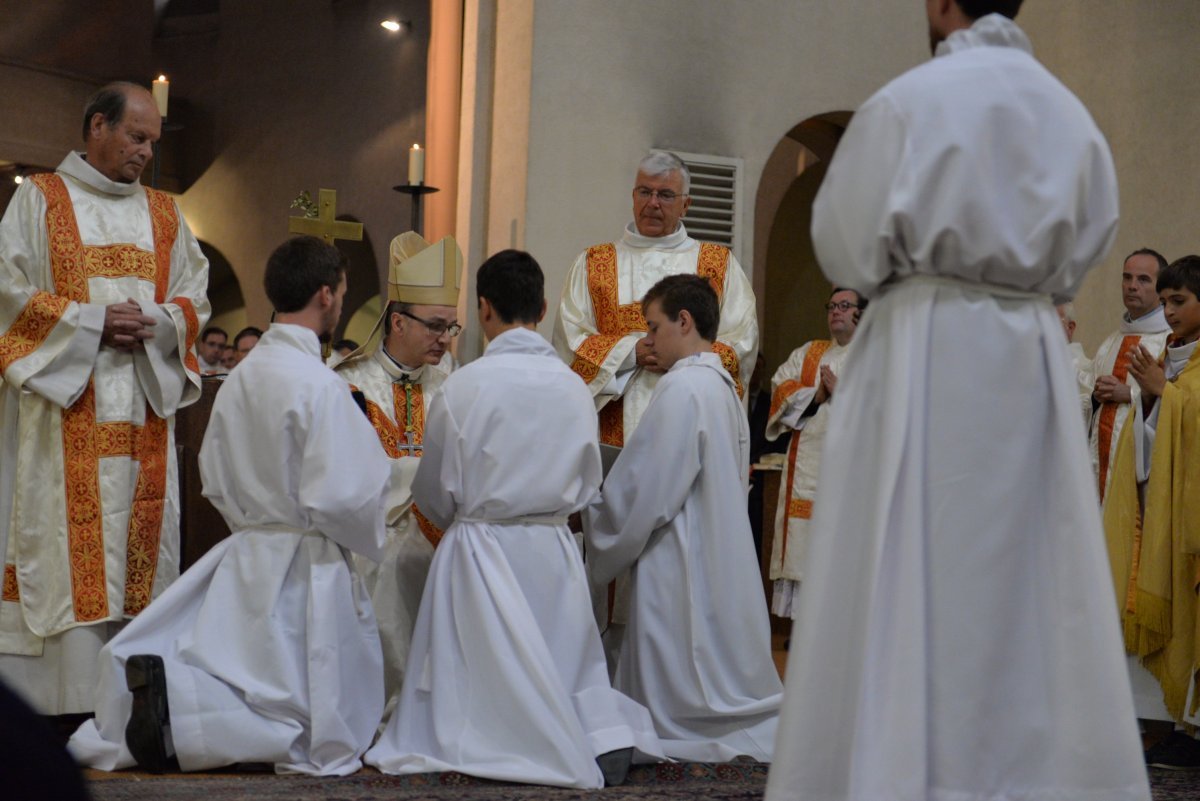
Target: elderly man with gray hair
[599,328]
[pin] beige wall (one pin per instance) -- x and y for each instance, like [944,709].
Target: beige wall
[613,78]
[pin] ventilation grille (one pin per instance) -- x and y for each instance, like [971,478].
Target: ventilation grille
[716,211]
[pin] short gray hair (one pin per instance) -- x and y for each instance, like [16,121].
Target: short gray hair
[664,162]
[108,100]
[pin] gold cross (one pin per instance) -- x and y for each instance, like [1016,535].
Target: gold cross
[326,225]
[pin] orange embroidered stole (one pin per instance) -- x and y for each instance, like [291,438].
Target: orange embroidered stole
[1108,410]
[797,507]
[408,404]
[615,320]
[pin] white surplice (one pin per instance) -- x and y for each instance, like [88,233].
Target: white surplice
[1112,358]
[956,637]
[89,509]
[398,400]
[269,641]
[697,648]
[506,678]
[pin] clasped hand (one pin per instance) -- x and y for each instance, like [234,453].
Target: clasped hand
[1146,370]
[125,327]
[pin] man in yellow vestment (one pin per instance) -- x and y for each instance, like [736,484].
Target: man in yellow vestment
[1152,522]
[399,375]
[102,295]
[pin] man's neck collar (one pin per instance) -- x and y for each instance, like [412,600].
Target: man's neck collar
[672,240]
[78,168]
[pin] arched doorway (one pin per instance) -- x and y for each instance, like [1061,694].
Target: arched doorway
[224,292]
[789,284]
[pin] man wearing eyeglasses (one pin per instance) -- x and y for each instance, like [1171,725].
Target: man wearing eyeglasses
[801,394]
[600,326]
[398,370]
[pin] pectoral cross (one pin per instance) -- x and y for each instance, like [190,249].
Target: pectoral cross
[326,225]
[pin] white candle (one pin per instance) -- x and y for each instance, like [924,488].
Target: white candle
[161,88]
[416,165]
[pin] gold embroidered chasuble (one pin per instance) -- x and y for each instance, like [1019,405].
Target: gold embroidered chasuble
[595,331]
[1154,545]
[88,492]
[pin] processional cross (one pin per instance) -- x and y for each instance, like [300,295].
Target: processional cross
[323,222]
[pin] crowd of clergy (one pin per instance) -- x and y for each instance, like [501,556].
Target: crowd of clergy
[539,566]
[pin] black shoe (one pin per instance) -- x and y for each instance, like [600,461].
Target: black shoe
[1177,752]
[615,766]
[144,734]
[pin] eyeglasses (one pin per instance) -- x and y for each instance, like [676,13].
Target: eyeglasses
[664,195]
[436,327]
[844,305]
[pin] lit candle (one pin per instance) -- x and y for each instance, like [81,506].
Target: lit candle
[161,87]
[416,165]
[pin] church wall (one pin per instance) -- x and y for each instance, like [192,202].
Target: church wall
[43,138]
[308,94]
[613,78]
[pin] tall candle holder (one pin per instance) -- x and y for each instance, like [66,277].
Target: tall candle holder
[416,191]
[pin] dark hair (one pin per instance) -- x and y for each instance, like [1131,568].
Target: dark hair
[1158,257]
[248,331]
[512,282]
[298,269]
[345,343]
[678,292]
[981,8]
[1183,273]
[108,100]
[393,307]
[212,329]
[858,298]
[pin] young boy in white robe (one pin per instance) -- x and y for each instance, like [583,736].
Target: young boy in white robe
[266,650]
[697,651]
[506,678]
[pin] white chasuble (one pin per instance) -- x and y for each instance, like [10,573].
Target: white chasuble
[397,404]
[956,635]
[600,319]
[89,517]
[697,649]
[506,676]
[269,642]
[1112,358]
[793,390]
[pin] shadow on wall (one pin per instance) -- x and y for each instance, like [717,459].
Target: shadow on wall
[793,291]
[224,292]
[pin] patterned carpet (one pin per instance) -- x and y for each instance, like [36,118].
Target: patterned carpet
[724,782]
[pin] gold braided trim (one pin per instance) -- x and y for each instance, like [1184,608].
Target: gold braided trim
[1108,410]
[712,264]
[431,532]
[11,591]
[731,363]
[85,529]
[164,222]
[612,423]
[146,513]
[193,330]
[31,328]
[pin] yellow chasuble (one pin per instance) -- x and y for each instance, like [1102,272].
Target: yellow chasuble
[1153,550]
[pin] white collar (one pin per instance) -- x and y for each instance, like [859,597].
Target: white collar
[672,241]
[991,30]
[76,167]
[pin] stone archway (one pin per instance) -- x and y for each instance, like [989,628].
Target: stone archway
[788,282]
[224,292]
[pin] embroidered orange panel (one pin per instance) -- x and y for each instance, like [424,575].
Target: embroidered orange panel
[189,337]
[11,592]
[615,320]
[808,378]
[800,507]
[393,437]
[35,322]
[1108,410]
[85,441]
[612,423]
